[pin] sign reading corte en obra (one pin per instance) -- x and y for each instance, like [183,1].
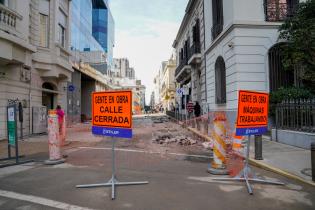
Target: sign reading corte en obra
[252,116]
[112,113]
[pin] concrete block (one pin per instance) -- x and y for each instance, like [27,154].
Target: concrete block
[294,138]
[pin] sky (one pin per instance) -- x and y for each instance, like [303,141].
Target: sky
[144,33]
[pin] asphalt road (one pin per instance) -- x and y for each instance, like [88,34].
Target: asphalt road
[174,183]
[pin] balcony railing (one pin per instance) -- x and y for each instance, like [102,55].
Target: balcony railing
[276,11]
[182,63]
[216,30]
[296,114]
[194,49]
[8,19]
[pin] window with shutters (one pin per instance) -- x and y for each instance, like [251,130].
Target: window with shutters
[62,26]
[279,10]
[220,81]
[217,18]
[43,30]
[43,8]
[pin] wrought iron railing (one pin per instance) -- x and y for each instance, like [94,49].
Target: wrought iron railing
[181,65]
[276,11]
[296,115]
[194,49]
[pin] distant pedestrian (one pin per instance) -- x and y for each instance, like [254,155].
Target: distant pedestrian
[197,109]
[61,124]
[61,115]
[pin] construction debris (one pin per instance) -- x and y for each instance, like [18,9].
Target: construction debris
[169,139]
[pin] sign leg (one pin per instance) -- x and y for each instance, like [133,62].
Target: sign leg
[113,168]
[113,182]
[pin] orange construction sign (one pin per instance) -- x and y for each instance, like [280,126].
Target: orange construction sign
[252,109]
[112,109]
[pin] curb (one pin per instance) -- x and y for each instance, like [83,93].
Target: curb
[279,171]
[199,134]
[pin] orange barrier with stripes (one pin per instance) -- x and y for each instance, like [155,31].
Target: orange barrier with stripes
[219,144]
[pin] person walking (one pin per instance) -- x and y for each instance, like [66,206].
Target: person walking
[197,110]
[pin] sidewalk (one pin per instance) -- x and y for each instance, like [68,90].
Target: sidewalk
[280,158]
[283,158]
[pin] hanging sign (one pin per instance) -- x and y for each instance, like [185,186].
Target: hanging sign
[112,113]
[11,125]
[252,115]
[185,90]
[190,107]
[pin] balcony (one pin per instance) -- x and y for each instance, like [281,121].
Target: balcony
[182,70]
[194,54]
[276,11]
[9,20]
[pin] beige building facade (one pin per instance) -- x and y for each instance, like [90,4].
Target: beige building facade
[189,47]
[34,56]
[167,88]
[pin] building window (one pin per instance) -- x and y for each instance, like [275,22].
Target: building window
[279,10]
[220,81]
[196,32]
[43,30]
[217,18]
[43,8]
[4,2]
[278,76]
[62,26]
[62,35]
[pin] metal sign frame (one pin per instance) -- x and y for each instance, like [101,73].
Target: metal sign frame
[246,172]
[122,132]
[15,141]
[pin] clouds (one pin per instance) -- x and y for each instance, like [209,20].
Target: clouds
[145,31]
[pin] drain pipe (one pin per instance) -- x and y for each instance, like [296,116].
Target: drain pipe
[29,99]
[313,160]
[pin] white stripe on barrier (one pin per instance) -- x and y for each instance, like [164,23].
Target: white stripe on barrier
[219,131]
[220,148]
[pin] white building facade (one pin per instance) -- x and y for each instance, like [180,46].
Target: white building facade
[240,36]
[241,49]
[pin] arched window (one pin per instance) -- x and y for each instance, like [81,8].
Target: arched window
[47,85]
[220,81]
[278,77]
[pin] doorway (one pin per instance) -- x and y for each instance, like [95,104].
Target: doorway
[48,97]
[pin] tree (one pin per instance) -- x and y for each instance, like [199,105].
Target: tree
[299,52]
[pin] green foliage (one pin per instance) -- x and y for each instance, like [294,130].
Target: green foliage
[299,52]
[289,93]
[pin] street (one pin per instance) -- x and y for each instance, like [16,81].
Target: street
[176,173]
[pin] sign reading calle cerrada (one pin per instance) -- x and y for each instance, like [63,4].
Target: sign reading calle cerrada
[112,113]
[252,115]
